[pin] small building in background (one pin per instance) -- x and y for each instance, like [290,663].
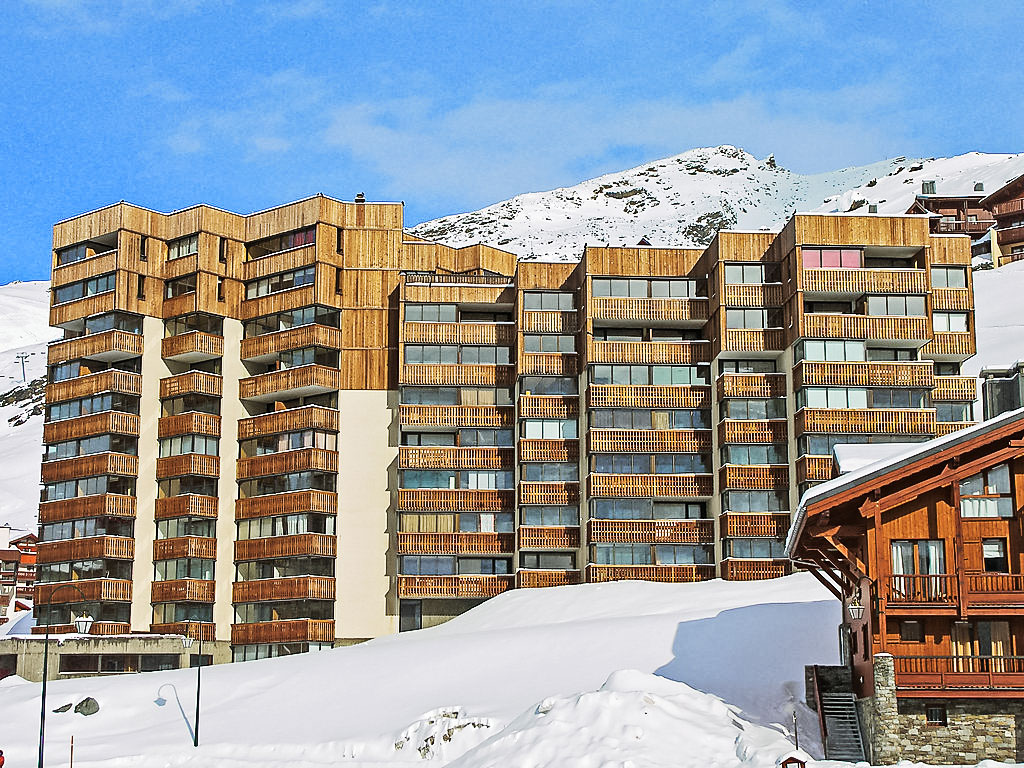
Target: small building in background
[1007,207]
[1002,388]
[954,213]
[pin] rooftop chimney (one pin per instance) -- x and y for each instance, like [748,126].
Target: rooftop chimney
[927,187]
[360,198]
[979,186]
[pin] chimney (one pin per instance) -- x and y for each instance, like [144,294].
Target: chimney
[979,186]
[927,187]
[360,198]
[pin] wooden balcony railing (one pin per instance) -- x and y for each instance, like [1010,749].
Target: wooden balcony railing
[752,431]
[450,457]
[753,340]
[293,419]
[500,334]
[189,424]
[549,493]
[289,631]
[752,385]
[762,477]
[81,308]
[955,388]
[298,460]
[186,506]
[290,383]
[957,344]
[607,308]
[641,486]
[640,396]
[325,502]
[528,579]
[464,586]
[91,548]
[185,304]
[549,450]
[192,347]
[1011,235]
[771,525]
[121,382]
[963,227]
[271,344]
[548,364]
[813,468]
[203,547]
[549,406]
[298,588]
[882,420]
[187,464]
[1010,206]
[651,531]
[456,415]
[650,352]
[649,440]
[455,500]
[929,589]
[455,543]
[754,295]
[105,505]
[319,544]
[861,374]
[754,570]
[549,322]
[116,590]
[866,327]
[192,383]
[112,422]
[206,631]
[90,466]
[549,537]
[995,589]
[107,346]
[952,298]
[966,674]
[948,427]
[459,375]
[858,281]
[97,264]
[183,591]
[100,628]
[665,573]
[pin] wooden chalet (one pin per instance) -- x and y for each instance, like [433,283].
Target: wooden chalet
[1007,207]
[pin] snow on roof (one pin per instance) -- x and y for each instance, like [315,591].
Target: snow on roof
[850,457]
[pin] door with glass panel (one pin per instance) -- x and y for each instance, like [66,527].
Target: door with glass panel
[919,571]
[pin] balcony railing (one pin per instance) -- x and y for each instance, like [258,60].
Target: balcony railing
[754,570]
[290,383]
[98,628]
[189,424]
[298,588]
[929,589]
[89,466]
[104,505]
[456,415]
[549,322]
[319,544]
[762,477]
[549,537]
[203,547]
[813,468]
[549,364]
[826,326]
[191,347]
[753,340]
[91,548]
[459,375]
[943,428]
[955,388]
[651,531]
[490,334]
[969,674]
[753,431]
[952,298]
[207,631]
[270,344]
[449,457]
[650,352]
[1010,206]
[753,295]
[858,281]
[187,464]
[289,631]
[769,525]
[665,573]
[607,308]
[549,493]
[752,385]
[549,450]
[186,506]
[113,422]
[530,578]
[641,396]
[121,382]
[649,440]
[995,589]
[464,586]
[455,500]
[455,543]
[885,421]
[956,344]
[117,590]
[293,419]
[107,346]
[183,591]
[549,406]
[964,227]
[300,460]
[641,486]
[325,502]
[861,374]
[192,383]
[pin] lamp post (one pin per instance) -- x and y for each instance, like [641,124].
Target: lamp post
[186,641]
[82,624]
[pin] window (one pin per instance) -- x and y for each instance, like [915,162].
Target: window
[83,288]
[754,454]
[292,318]
[828,307]
[949,322]
[182,444]
[548,385]
[954,412]
[911,631]
[289,441]
[949,277]
[753,318]
[887,397]
[896,306]
[82,251]
[891,354]
[484,355]
[427,565]
[659,375]
[550,472]
[739,408]
[761,549]
[832,397]
[552,561]
[180,286]
[755,501]
[285,242]
[549,515]
[176,527]
[548,429]
[293,481]
[431,354]
[747,366]
[751,274]
[621,554]
[285,281]
[183,568]
[547,301]
[549,342]
[486,522]
[987,494]
[993,552]
[947,369]
[831,258]
[674,289]
[176,326]
[472,436]
[917,567]
[622,287]
[936,715]
[681,463]
[487,479]
[683,554]
[639,418]
[645,509]
[430,313]
[183,246]
[837,350]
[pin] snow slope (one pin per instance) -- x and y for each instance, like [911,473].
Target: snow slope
[625,673]
[998,320]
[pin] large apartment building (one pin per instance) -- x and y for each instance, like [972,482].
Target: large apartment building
[306,426]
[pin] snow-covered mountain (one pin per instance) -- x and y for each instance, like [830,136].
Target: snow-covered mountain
[683,200]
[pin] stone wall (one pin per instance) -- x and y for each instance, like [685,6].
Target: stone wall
[831,678]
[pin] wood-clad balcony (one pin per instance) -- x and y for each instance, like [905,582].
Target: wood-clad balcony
[955,388]
[297,588]
[325,502]
[676,574]
[649,440]
[290,383]
[459,375]
[77,310]
[183,591]
[187,464]
[752,431]
[205,631]
[115,590]
[751,385]
[319,544]
[651,531]
[111,422]
[1011,235]
[266,347]
[549,493]
[293,298]
[189,424]
[753,340]
[185,304]
[948,427]
[1009,207]
[958,345]
[91,548]
[489,334]
[952,299]
[104,505]
[897,328]
[461,543]
[456,415]
[192,347]
[752,295]
[651,352]
[282,261]
[961,676]
[90,466]
[549,321]
[889,421]
[186,506]
[644,486]
[291,420]
[754,570]
[988,590]
[813,468]
[288,631]
[649,310]
[121,382]
[464,586]
[536,578]
[203,547]
[963,227]
[549,406]
[864,374]
[859,281]
[549,536]
[750,477]
[451,457]
[921,590]
[107,346]
[192,383]
[745,525]
[97,264]
[101,628]
[455,500]
[549,450]
[548,363]
[647,396]
[300,460]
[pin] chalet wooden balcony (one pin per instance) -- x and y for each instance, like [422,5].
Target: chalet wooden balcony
[459,375]
[754,295]
[994,590]
[185,304]
[97,264]
[290,383]
[319,544]
[72,311]
[114,590]
[643,486]
[751,385]
[464,586]
[192,347]
[107,346]
[813,468]
[186,506]
[753,431]
[489,334]
[300,460]
[267,347]
[952,299]
[288,631]
[753,340]
[1010,206]
[549,493]
[754,570]
[889,421]
[189,424]
[549,450]
[674,310]
[183,591]
[91,548]
[859,281]
[298,588]
[547,321]
[455,543]
[203,547]
[192,383]
[292,258]
[649,440]
[548,363]
[121,382]
[102,628]
[955,388]
[963,227]
[549,536]
[932,589]
[664,573]
[651,531]
[549,406]
[450,457]
[863,374]
[646,396]
[104,505]
[652,352]
[293,298]
[763,477]
[530,578]
[948,427]
[90,466]
[187,464]
[1010,235]
[455,500]
[896,328]
[958,345]
[205,631]
[967,676]
[743,525]
[293,419]
[456,415]
[111,422]
[325,502]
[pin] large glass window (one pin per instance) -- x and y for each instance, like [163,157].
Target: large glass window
[549,514]
[987,494]
[755,501]
[747,366]
[760,549]
[949,277]
[896,306]
[832,397]
[659,375]
[293,318]
[548,301]
[767,453]
[183,246]
[640,418]
[741,408]
[622,554]
[83,288]
[896,397]
[182,444]
[548,342]
[430,313]
[833,350]
[180,286]
[285,242]
[548,429]
[285,281]
[752,318]
[949,321]
[684,554]
[113,321]
[550,472]
[751,274]
[831,258]
[548,385]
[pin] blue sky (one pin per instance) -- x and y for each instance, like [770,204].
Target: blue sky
[451,106]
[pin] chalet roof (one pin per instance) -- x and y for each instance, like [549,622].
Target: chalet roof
[1012,188]
[851,457]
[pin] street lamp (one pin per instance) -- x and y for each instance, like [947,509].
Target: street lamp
[186,641]
[855,609]
[82,624]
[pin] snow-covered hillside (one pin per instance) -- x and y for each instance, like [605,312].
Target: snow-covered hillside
[619,674]
[684,200]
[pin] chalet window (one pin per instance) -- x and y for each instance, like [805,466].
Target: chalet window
[936,715]
[987,494]
[993,551]
[949,277]
[922,556]
[430,313]
[180,286]
[837,350]
[949,321]
[911,632]
[548,301]
[896,306]
[831,258]
[549,342]
[183,246]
